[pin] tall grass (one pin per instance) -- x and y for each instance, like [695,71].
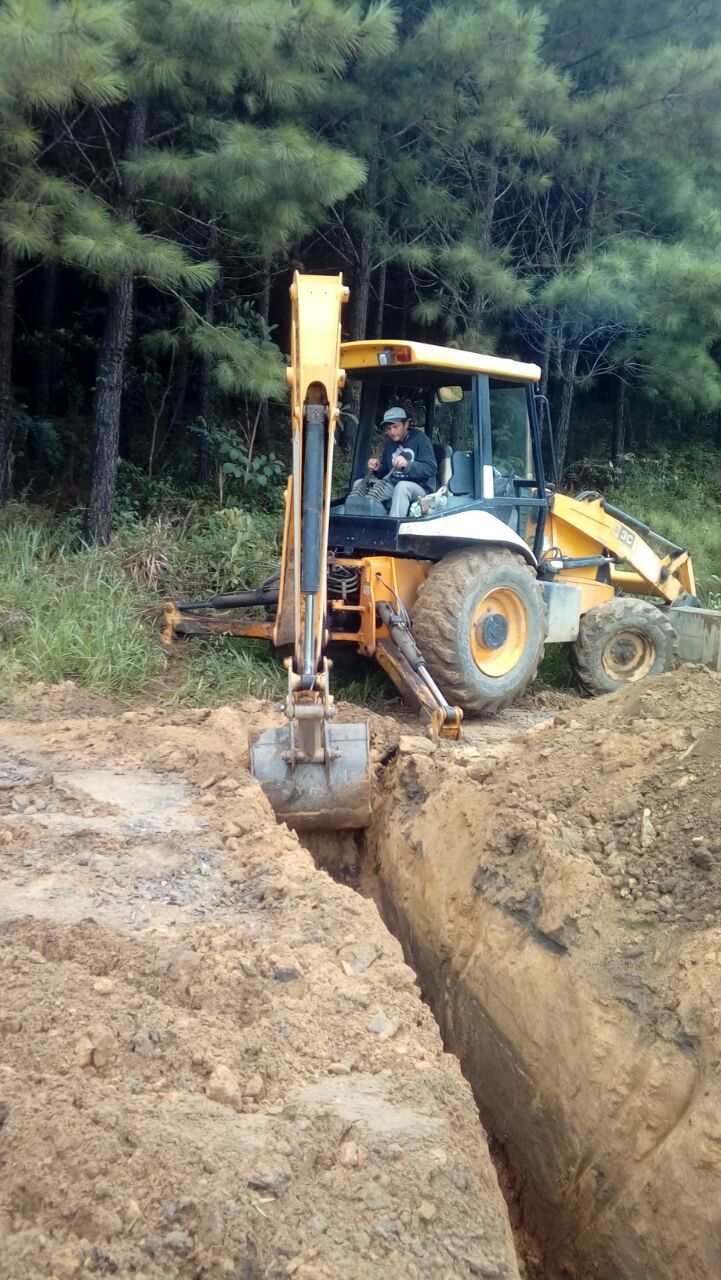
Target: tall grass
[71,614]
[678,493]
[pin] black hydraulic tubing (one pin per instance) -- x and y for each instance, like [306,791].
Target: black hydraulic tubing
[577,562]
[633,523]
[233,600]
[312,508]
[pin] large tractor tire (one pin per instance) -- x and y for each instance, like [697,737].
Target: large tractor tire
[480,623]
[621,642]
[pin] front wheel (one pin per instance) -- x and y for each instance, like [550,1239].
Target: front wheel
[480,624]
[621,642]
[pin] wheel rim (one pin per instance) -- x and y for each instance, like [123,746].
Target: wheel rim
[499,629]
[628,656]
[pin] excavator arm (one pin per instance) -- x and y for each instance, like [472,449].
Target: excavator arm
[316,773]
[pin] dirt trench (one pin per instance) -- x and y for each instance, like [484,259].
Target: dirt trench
[213,1060]
[558,893]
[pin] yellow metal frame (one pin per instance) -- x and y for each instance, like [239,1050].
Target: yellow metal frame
[382,578]
[364,355]
[314,377]
[583,529]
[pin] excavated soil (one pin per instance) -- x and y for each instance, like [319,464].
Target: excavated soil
[213,1059]
[559,895]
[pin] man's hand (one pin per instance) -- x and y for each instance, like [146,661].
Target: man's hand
[400,463]
[374,464]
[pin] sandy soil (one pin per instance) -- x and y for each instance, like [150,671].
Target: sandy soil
[213,1059]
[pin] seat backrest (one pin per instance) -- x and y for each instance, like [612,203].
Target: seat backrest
[443,462]
[462,481]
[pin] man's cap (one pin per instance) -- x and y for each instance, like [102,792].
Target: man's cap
[395,414]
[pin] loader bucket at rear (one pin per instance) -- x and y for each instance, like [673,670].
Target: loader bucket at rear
[699,635]
[329,796]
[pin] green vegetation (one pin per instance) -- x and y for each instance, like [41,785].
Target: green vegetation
[90,614]
[71,614]
[678,493]
[542,181]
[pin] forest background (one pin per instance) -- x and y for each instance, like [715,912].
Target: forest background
[540,181]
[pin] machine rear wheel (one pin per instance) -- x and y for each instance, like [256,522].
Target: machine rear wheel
[621,642]
[479,621]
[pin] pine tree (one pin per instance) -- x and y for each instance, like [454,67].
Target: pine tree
[55,56]
[631,195]
[258,178]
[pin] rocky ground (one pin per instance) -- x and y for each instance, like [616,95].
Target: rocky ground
[213,1059]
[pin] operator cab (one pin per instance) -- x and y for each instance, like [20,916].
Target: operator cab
[482,416]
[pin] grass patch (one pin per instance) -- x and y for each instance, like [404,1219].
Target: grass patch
[71,615]
[214,672]
[679,495]
[70,612]
[556,669]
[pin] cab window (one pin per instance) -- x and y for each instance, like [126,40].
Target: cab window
[510,435]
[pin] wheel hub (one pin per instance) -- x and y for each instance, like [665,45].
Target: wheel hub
[628,656]
[499,629]
[494,630]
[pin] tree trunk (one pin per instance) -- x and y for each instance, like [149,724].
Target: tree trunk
[478,302]
[382,272]
[177,396]
[360,289]
[546,353]
[110,368]
[44,402]
[106,410]
[263,433]
[569,363]
[205,404]
[8,272]
[205,390]
[618,445]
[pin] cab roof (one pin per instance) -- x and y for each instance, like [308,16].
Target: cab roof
[396,354]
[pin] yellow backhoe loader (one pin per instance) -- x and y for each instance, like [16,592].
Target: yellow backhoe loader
[457,599]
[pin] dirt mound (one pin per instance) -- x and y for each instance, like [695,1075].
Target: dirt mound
[213,1060]
[560,894]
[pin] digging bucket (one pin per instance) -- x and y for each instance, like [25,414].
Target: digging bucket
[331,795]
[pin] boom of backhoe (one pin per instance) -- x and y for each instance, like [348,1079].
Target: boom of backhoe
[316,773]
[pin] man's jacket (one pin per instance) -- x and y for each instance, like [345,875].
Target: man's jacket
[422,466]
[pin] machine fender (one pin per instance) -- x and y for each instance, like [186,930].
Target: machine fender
[563,611]
[432,538]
